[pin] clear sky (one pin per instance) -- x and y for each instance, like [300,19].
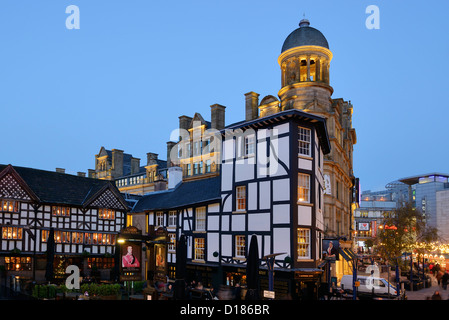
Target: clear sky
[133,67]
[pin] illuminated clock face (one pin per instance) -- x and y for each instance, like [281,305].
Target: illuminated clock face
[327,184]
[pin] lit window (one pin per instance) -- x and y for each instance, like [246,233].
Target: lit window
[62,236]
[241,198]
[172,242]
[9,206]
[303,243]
[60,211]
[77,238]
[249,145]
[240,246]
[304,141]
[18,263]
[107,214]
[199,248]
[12,233]
[303,187]
[200,214]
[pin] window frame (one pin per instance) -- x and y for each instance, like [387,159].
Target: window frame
[10,206]
[304,141]
[305,234]
[200,219]
[199,249]
[240,198]
[240,246]
[303,188]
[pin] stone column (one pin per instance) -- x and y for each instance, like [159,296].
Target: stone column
[308,68]
[318,69]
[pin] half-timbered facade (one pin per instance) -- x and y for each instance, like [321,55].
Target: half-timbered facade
[270,184]
[86,215]
[191,208]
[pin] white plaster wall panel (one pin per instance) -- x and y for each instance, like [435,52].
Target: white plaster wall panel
[228,148]
[238,222]
[281,242]
[264,195]
[281,189]
[226,245]
[281,213]
[259,222]
[267,246]
[252,196]
[238,146]
[23,221]
[213,223]
[227,202]
[47,224]
[262,159]
[262,134]
[213,244]
[189,247]
[279,152]
[215,207]
[225,222]
[281,129]
[4,245]
[226,176]
[244,169]
[151,218]
[304,215]
[305,164]
[73,225]
[18,245]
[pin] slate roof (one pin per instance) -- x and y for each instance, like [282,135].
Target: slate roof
[184,194]
[60,188]
[305,36]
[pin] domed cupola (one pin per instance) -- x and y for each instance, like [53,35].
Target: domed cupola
[305,35]
[304,60]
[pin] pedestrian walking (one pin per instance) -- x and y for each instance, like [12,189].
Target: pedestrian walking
[439,276]
[435,269]
[444,280]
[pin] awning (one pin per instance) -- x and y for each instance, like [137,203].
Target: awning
[323,263]
[345,255]
[350,253]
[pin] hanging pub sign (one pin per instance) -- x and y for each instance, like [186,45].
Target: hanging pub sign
[130,254]
[160,252]
[331,249]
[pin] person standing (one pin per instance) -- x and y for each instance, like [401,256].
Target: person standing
[444,280]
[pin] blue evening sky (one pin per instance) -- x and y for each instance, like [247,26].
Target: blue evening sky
[123,79]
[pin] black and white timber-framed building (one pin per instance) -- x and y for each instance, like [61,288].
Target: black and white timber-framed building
[86,215]
[270,184]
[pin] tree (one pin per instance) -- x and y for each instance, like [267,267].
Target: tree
[401,232]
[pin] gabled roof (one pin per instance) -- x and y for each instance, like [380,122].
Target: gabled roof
[61,188]
[184,194]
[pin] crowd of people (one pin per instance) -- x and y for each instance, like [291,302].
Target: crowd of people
[442,277]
